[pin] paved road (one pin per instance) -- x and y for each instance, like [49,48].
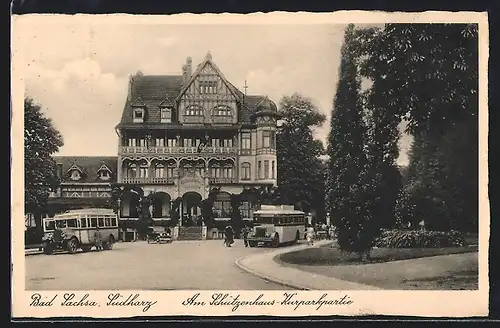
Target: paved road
[141,266]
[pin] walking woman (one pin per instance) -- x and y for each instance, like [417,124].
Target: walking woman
[310,235]
[229,232]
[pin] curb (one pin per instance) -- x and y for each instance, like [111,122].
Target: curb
[268,278]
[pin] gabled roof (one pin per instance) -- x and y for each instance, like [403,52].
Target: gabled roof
[156,91]
[75,167]
[89,165]
[201,66]
[104,167]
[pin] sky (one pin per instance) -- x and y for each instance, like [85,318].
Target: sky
[79,72]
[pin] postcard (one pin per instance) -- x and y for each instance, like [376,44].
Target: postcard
[281,164]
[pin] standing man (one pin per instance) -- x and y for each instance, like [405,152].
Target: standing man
[245,231]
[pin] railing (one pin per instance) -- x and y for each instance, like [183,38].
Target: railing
[148,180]
[125,150]
[262,151]
[222,180]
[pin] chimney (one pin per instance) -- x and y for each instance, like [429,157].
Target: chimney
[59,171]
[130,81]
[189,67]
[184,74]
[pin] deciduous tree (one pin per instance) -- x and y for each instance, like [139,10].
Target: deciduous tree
[41,141]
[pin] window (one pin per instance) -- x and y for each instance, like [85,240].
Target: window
[131,170]
[166,115]
[193,110]
[222,111]
[83,222]
[170,172]
[245,171]
[72,223]
[132,142]
[107,222]
[104,175]
[138,114]
[273,176]
[100,222]
[143,171]
[159,142]
[259,170]
[113,222]
[266,139]
[266,169]
[245,209]
[159,171]
[208,87]
[75,175]
[246,140]
[93,222]
[222,205]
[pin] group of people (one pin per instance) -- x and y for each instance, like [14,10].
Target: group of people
[229,235]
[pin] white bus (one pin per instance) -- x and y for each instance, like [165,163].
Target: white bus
[277,224]
[77,229]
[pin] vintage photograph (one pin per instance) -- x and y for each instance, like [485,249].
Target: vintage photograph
[251,157]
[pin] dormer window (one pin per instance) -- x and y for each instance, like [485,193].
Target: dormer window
[104,175]
[138,115]
[166,115]
[104,172]
[193,110]
[75,175]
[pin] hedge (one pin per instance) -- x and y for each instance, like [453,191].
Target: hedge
[419,239]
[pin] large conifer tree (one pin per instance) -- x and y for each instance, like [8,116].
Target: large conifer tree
[345,194]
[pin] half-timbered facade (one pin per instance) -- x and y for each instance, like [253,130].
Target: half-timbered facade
[182,135]
[85,182]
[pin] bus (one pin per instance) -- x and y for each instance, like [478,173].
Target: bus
[277,224]
[76,229]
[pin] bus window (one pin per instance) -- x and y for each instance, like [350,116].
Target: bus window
[113,222]
[50,225]
[83,222]
[61,224]
[264,219]
[93,222]
[71,223]
[107,222]
[100,222]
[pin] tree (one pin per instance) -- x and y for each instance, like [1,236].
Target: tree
[300,174]
[207,206]
[236,218]
[347,178]
[41,141]
[428,74]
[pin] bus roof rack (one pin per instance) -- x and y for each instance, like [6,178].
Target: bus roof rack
[278,209]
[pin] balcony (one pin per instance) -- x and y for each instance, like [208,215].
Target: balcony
[215,180]
[127,150]
[148,180]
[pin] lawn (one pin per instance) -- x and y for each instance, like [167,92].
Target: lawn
[456,271]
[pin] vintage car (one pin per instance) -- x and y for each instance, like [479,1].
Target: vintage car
[159,235]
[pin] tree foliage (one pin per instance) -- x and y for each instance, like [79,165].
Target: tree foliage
[428,76]
[300,170]
[41,141]
[347,176]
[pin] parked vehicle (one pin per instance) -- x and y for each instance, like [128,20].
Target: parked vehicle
[159,235]
[277,224]
[76,229]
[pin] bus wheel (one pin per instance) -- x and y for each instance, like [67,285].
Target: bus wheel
[276,241]
[72,246]
[251,244]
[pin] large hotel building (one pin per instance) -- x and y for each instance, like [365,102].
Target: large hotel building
[179,137]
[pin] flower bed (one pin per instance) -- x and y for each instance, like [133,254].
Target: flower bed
[420,239]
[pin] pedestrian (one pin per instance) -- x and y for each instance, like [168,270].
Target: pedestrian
[229,232]
[98,240]
[310,235]
[245,231]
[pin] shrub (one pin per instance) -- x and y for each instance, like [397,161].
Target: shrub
[419,239]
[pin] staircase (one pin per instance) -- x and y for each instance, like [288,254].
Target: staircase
[190,233]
